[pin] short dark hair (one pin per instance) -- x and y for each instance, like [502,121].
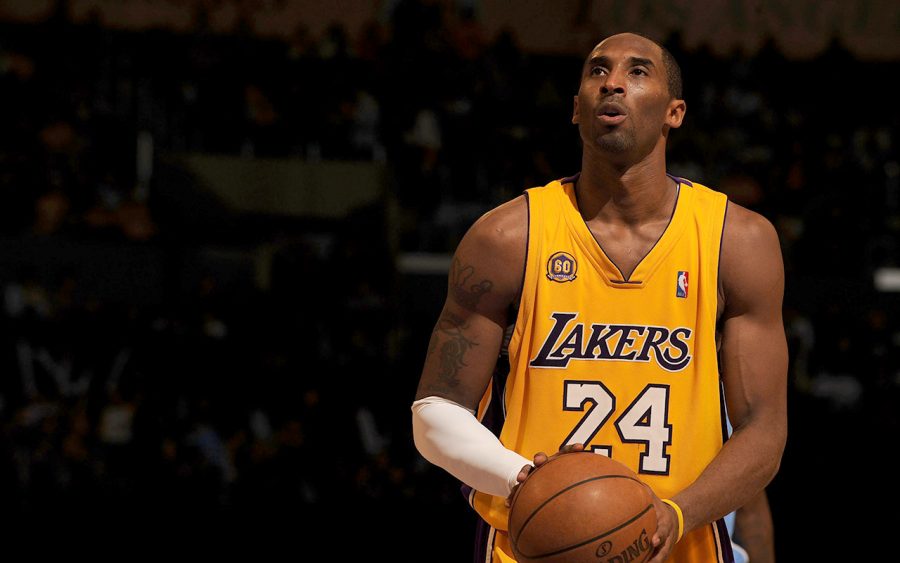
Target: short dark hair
[673,73]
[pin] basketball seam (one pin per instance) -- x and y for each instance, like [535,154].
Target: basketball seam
[591,540]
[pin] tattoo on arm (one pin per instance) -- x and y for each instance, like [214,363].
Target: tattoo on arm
[467,293]
[449,329]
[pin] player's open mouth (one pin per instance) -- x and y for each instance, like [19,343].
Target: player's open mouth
[611,113]
[611,118]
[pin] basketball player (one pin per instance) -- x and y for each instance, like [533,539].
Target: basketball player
[624,285]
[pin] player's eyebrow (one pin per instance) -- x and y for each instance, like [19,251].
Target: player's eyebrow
[636,61]
[597,60]
[632,61]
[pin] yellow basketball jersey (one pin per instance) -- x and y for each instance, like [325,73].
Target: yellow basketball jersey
[627,367]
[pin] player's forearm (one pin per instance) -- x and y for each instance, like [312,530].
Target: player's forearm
[449,436]
[746,464]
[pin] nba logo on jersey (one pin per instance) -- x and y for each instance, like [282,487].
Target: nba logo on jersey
[681,287]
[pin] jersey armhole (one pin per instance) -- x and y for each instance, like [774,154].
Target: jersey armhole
[719,264]
[517,305]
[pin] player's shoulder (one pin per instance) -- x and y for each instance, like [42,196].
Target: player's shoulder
[494,250]
[740,222]
[508,222]
[750,261]
[502,226]
[744,227]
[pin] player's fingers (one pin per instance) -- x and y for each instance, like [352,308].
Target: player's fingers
[659,554]
[509,499]
[659,537]
[523,474]
[569,449]
[540,458]
[520,478]
[660,544]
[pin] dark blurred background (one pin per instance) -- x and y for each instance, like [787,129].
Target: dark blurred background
[226,226]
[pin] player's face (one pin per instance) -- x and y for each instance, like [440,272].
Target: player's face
[623,103]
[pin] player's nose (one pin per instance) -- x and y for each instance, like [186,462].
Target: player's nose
[614,83]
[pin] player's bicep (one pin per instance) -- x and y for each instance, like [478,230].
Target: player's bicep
[754,364]
[754,348]
[484,279]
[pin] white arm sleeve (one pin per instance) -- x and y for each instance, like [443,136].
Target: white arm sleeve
[449,436]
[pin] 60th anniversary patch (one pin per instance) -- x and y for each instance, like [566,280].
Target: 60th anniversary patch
[561,267]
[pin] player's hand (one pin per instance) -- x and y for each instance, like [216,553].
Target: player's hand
[540,458]
[666,535]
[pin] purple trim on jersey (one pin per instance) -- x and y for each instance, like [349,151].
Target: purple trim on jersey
[727,552]
[721,240]
[493,417]
[719,354]
[680,180]
[721,243]
[570,179]
[723,412]
[466,492]
[527,242]
[611,261]
[482,537]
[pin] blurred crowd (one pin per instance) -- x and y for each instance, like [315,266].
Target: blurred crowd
[215,397]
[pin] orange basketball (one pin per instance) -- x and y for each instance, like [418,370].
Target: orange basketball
[581,507]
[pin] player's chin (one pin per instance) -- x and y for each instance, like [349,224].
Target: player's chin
[614,141]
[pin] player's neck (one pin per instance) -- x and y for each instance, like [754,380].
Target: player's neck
[630,195]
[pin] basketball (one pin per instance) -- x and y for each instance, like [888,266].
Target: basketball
[580,507]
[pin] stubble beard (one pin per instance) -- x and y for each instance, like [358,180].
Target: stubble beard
[617,141]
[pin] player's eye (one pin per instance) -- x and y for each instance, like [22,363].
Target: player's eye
[595,70]
[639,71]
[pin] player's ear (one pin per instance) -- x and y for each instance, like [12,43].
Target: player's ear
[675,113]
[575,111]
